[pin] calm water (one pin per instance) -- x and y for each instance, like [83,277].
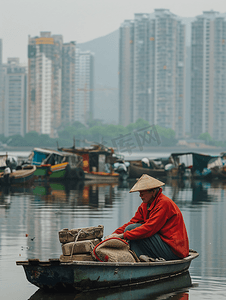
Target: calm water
[41,211]
[31,217]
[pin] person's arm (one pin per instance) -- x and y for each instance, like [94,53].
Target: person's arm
[157,218]
[138,218]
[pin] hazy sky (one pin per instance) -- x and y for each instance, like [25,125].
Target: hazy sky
[80,20]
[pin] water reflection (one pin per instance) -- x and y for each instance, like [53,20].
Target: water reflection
[83,193]
[177,285]
[80,193]
[4,198]
[194,191]
[183,192]
[30,218]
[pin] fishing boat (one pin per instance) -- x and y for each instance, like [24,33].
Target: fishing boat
[55,274]
[188,164]
[151,167]
[98,162]
[23,176]
[56,165]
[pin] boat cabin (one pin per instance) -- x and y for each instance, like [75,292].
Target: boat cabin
[195,162]
[96,158]
[40,156]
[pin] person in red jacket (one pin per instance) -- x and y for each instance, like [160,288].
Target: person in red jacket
[157,228]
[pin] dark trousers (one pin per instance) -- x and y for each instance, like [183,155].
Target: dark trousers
[152,246]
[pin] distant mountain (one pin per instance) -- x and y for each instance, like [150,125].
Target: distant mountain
[106,59]
[106,50]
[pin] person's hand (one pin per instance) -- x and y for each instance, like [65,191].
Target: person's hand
[114,235]
[110,236]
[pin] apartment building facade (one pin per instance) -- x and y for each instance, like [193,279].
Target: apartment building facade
[1,90]
[84,86]
[44,83]
[152,70]
[68,83]
[15,97]
[208,75]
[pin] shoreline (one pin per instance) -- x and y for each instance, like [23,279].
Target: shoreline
[146,151]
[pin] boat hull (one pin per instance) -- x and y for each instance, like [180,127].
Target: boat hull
[64,171]
[136,171]
[42,173]
[91,275]
[144,291]
[102,178]
[25,176]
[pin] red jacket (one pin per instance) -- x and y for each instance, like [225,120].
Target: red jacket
[163,217]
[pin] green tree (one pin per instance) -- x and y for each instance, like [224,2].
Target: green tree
[205,137]
[17,141]
[140,123]
[32,138]
[78,125]
[94,122]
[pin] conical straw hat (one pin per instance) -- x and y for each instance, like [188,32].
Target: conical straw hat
[146,182]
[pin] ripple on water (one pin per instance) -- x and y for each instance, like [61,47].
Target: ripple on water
[208,288]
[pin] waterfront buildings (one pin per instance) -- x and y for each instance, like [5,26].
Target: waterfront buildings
[152,70]
[84,86]
[1,90]
[60,84]
[15,97]
[68,83]
[44,83]
[208,78]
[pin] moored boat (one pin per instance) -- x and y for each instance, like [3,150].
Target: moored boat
[136,170]
[98,162]
[217,166]
[23,176]
[83,275]
[7,161]
[55,165]
[188,164]
[151,167]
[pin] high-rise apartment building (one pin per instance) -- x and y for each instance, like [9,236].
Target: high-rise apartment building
[84,85]
[15,97]
[44,83]
[208,78]
[152,70]
[68,83]
[1,90]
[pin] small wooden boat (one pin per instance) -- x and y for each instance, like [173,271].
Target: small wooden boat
[23,176]
[149,290]
[83,275]
[137,169]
